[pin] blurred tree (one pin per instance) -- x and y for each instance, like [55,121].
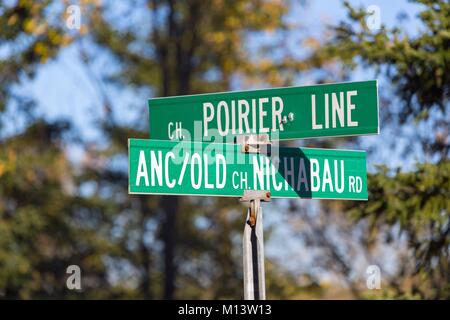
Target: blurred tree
[45,223]
[417,202]
[27,39]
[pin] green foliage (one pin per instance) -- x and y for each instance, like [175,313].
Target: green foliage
[410,198]
[43,222]
[193,52]
[416,202]
[28,39]
[417,65]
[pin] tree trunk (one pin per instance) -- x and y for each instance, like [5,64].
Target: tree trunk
[170,206]
[179,73]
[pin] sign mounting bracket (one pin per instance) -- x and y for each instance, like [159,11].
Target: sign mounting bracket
[254,143]
[254,198]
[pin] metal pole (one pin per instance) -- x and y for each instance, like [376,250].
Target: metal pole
[253,240]
[253,253]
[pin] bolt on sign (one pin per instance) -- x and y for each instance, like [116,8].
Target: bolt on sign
[324,110]
[195,168]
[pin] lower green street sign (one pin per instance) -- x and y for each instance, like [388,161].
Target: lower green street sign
[196,168]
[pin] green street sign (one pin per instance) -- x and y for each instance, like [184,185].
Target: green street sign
[325,110]
[195,168]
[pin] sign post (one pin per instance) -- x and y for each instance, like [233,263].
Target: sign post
[253,238]
[253,246]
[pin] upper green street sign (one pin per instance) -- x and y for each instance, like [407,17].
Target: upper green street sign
[324,110]
[195,168]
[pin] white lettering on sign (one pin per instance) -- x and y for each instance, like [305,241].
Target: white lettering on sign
[220,159]
[338,109]
[208,185]
[351,107]
[276,113]
[293,173]
[316,126]
[258,174]
[156,168]
[339,102]
[240,180]
[302,177]
[169,183]
[175,133]
[196,159]
[339,188]
[158,171]
[235,116]
[276,186]
[315,179]
[324,179]
[288,172]
[262,115]
[234,182]
[223,129]
[208,116]
[243,116]
[142,169]
[354,184]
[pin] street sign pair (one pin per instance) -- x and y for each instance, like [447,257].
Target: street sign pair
[193,149]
